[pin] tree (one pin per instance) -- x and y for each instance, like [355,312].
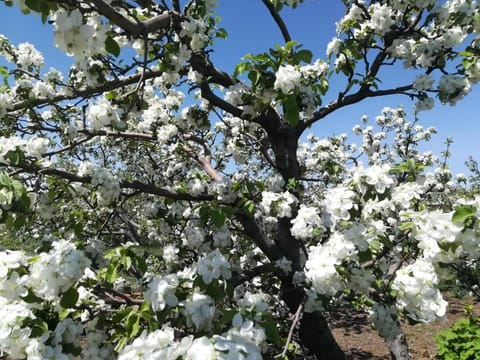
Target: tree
[175,211]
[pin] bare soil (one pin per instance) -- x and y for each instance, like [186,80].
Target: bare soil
[354,334]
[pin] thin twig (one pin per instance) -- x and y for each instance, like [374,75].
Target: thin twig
[292,329]
[88,91]
[131,185]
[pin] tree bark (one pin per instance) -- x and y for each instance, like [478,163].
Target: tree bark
[314,331]
[398,347]
[316,335]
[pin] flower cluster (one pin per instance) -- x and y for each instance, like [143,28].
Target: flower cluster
[195,30]
[216,202]
[213,266]
[103,114]
[382,319]
[280,205]
[78,36]
[161,292]
[418,294]
[321,266]
[199,310]
[45,277]
[449,25]
[107,185]
[34,147]
[28,56]
[161,344]
[437,236]
[307,223]
[287,79]
[55,272]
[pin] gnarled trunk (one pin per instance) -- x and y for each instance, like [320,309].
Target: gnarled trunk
[398,347]
[314,331]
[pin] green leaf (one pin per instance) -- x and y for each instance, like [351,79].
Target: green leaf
[111,95]
[114,253]
[32,298]
[33,5]
[19,222]
[218,218]
[250,207]
[241,68]
[221,33]
[204,214]
[271,330]
[132,324]
[292,114]
[121,344]
[407,226]
[304,55]
[145,308]
[45,10]
[39,327]
[112,46]
[365,256]
[464,213]
[71,349]
[227,317]
[254,77]
[69,298]
[111,273]
[141,264]
[289,45]
[127,262]
[15,157]
[63,314]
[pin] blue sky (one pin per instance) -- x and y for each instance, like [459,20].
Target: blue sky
[251,30]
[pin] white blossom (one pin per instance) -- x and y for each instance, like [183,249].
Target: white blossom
[213,266]
[27,55]
[287,79]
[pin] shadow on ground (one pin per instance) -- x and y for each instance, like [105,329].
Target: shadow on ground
[357,354]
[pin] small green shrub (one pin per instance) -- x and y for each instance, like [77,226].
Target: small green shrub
[462,340]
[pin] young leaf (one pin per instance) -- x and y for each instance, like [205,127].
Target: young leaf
[111,274]
[463,213]
[304,55]
[33,5]
[112,46]
[290,107]
[218,218]
[69,298]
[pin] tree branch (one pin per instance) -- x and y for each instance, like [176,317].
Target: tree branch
[161,21]
[89,91]
[247,275]
[360,95]
[253,230]
[131,185]
[276,16]
[208,94]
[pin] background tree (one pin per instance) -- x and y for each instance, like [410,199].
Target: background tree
[176,211]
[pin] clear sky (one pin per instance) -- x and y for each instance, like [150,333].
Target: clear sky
[252,30]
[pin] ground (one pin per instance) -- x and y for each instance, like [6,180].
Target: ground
[354,334]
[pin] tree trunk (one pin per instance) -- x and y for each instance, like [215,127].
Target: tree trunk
[316,335]
[314,331]
[398,347]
